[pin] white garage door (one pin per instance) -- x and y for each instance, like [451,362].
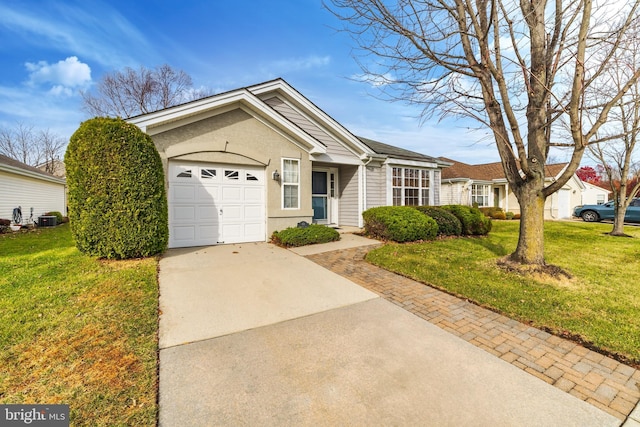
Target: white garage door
[211,204]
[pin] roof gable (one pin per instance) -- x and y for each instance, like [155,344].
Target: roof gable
[488,171]
[174,117]
[8,164]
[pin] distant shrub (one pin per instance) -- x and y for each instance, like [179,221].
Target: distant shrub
[516,216]
[6,222]
[509,215]
[448,224]
[473,221]
[399,223]
[493,212]
[298,236]
[117,199]
[58,215]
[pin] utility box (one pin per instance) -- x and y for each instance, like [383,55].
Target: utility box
[47,221]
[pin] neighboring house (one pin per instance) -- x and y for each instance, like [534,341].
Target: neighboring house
[594,195]
[244,163]
[486,186]
[56,168]
[28,187]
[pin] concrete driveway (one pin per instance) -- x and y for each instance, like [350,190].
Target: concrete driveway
[253,334]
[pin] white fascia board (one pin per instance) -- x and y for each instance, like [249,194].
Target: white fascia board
[30,174]
[153,123]
[309,110]
[416,163]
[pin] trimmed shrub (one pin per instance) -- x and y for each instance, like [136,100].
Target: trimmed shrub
[448,224]
[473,221]
[117,199]
[509,215]
[493,212]
[58,215]
[298,236]
[516,216]
[399,223]
[6,222]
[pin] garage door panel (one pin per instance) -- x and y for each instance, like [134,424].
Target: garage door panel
[252,212]
[183,213]
[208,213]
[253,194]
[183,193]
[208,193]
[184,233]
[211,204]
[231,194]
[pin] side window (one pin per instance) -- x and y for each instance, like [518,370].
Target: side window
[290,184]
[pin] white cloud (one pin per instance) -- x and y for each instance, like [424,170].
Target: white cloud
[300,64]
[70,73]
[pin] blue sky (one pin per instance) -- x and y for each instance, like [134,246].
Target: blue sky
[51,50]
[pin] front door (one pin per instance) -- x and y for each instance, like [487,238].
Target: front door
[323,197]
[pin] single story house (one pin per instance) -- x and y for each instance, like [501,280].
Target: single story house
[30,189]
[244,163]
[486,186]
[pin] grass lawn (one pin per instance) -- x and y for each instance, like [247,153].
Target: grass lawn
[78,331]
[600,304]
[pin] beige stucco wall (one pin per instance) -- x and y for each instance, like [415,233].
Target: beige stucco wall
[235,137]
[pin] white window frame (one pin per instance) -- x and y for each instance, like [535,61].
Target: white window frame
[287,183]
[484,194]
[403,179]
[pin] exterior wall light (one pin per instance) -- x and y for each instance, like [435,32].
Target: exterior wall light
[275,175]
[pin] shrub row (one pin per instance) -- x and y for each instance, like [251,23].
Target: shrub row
[398,223]
[299,236]
[409,224]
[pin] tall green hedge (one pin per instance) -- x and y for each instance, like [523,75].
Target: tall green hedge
[117,198]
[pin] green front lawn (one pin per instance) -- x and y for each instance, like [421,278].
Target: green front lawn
[78,331]
[601,303]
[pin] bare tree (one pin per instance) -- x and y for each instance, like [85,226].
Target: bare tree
[617,142]
[132,92]
[34,148]
[523,69]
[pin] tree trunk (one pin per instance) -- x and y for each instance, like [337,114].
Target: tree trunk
[530,249]
[618,223]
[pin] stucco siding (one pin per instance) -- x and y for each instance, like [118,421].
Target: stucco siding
[348,184]
[333,147]
[30,193]
[376,186]
[235,137]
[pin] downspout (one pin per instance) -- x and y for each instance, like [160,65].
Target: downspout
[363,207]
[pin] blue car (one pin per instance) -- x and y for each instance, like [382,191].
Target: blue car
[593,213]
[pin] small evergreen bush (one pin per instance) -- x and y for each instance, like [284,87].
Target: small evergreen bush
[448,224]
[399,223]
[493,212]
[509,215]
[299,236]
[473,221]
[117,199]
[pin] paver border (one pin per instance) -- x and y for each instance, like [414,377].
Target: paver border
[590,376]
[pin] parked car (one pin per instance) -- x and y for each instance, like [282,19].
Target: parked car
[591,213]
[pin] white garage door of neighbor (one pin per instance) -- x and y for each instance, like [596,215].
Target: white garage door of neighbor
[211,204]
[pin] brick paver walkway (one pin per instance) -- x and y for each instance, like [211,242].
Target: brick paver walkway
[590,376]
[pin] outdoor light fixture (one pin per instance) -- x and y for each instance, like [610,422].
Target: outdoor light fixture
[276,175]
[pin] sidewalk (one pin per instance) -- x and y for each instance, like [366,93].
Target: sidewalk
[585,374]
